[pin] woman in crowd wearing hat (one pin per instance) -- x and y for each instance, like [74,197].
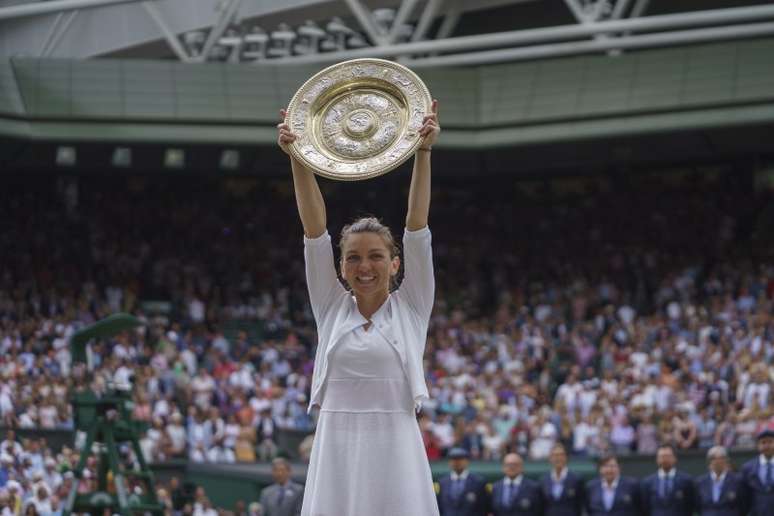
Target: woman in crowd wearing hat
[368,380]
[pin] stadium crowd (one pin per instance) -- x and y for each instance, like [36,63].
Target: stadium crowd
[36,480]
[609,321]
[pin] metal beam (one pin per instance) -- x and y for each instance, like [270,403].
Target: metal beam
[59,35]
[564,32]
[584,47]
[363,16]
[450,20]
[577,10]
[51,33]
[54,6]
[639,8]
[426,19]
[404,11]
[217,30]
[171,37]
[619,10]
[596,13]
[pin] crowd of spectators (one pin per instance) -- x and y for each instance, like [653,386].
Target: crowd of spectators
[609,320]
[36,480]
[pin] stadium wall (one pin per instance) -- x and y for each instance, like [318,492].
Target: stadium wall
[227,483]
[702,86]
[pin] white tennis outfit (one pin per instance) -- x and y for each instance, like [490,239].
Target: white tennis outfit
[368,458]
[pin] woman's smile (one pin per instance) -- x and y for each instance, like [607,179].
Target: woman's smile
[366,264]
[366,279]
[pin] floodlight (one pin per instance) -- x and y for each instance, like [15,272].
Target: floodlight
[174,158]
[384,18]
[229,159]
[337,26]
[339,31]
[194,41]
[330,44]
[356,41]
[122,157]
[311,30]
[281,41]
[255,44]
[65,156]
[310,35]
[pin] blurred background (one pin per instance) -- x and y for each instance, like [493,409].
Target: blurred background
[602,217]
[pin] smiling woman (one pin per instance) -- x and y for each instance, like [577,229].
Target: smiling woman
[368,381]
[369,255]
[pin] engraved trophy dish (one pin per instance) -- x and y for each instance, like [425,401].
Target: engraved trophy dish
[358,119]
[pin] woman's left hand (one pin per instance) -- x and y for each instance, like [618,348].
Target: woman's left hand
[430,127]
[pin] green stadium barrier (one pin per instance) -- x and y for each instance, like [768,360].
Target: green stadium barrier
[225,484]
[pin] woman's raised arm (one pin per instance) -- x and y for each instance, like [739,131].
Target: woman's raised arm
[419,193]
[309,199]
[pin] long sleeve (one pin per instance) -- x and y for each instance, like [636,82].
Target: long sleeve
[321,279]
[418,286]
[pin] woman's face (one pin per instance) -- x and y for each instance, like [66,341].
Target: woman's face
[366,264]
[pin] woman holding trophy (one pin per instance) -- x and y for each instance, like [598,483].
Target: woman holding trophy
[368,457]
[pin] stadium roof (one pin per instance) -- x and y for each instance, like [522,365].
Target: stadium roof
[422,32]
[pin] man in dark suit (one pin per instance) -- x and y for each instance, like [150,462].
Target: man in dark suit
[720,492]
[667,492]
[610,494]
[283,497]
[758,475]
[460,492]
[515,495]
[562,490]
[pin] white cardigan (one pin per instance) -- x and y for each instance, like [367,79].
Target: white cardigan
[405,325]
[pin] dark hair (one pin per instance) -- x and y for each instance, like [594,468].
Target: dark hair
[281,461]
[604,459]
[371,225]
[667,446]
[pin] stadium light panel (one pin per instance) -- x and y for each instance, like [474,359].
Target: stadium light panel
[122,157]
[357,41]
[174,158]
[229,159]
[66,156]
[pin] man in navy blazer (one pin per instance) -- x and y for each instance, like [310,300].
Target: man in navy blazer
[667,492]
[758,475]
[720,492]
[515,495]
[562,489]
[460,492]
[610,494]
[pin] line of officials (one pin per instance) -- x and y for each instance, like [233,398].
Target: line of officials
[668,492]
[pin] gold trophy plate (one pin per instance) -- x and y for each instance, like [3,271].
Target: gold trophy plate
[358,119]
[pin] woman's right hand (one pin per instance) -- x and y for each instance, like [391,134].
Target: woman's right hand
[285,136]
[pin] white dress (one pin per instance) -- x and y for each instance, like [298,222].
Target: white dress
[368,458]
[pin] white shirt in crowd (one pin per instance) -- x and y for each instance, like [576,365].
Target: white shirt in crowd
[583,435]
[757,393]
[48,416]
[177,435]
[570,394]
[202,386]
[196,310]
[444,432]
[221,454]
[540,448]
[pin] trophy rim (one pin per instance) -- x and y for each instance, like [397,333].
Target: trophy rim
[424,93]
